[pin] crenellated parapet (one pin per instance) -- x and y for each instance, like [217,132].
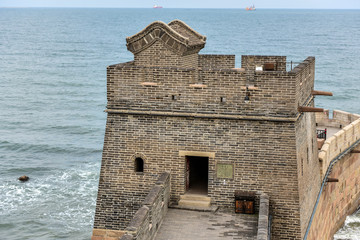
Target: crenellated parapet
[339,162]
[345,138]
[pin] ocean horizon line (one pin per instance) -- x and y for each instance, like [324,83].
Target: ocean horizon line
[241,8]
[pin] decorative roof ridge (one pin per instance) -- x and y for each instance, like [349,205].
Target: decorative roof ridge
[200,36]
[153,25]
[178,38]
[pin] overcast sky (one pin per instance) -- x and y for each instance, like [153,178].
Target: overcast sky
[324,4]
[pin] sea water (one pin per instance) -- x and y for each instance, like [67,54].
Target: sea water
[53,93]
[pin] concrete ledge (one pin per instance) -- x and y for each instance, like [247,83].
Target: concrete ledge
[106,234]
[197,154]
[263,222]
[138,219]
[204,115]
[164,177]
[198,209]
[152,195]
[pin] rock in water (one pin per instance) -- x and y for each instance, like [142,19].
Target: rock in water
[23,178]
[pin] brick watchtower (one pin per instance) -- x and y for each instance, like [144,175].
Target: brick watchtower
[214,127]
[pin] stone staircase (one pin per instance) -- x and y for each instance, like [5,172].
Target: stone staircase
[197,202]
[194,200]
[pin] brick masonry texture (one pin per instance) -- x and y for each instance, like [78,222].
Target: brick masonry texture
[258,165]
[207,61]
[146,221]
[271,146]
[159,55]
[149,217]
[337,199]
[339,119]
[275,93]
[307,165]
[347,136]
[249,62]
[159,44]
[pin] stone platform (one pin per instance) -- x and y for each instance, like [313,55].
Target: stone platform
[187,225]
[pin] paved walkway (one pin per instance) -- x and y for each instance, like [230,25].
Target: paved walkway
[330,130]
[190,225]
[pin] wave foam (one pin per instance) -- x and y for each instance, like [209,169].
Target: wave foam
[59,198]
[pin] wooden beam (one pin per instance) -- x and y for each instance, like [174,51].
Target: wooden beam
[355,151]
[332,180]
[322,93]
[309,109]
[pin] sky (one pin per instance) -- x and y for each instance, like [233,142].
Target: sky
[307,4]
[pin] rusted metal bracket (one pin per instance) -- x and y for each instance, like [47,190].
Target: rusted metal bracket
[322,93]
[309,109]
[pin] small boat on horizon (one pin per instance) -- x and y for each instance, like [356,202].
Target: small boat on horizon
[157,6]
[251,8]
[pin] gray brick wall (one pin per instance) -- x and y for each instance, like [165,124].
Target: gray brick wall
[273,94]
[212,61]
[164,102]
[249,145]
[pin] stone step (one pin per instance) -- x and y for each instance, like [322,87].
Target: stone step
[195,197]
[193,203]
[212,208]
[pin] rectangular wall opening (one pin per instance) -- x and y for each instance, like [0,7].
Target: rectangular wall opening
[197,175]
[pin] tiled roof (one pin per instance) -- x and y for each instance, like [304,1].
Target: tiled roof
[176,35]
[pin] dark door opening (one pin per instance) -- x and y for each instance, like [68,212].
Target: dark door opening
[197,169]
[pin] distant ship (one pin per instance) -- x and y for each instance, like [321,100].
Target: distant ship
[251,8]
[157,6]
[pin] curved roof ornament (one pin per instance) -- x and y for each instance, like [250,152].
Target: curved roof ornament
[184,25]
[176,36]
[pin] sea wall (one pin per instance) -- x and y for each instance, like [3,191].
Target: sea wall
[147,219]
[338,199]
[338,160]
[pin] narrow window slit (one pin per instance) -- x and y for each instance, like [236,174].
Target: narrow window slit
[139,165]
